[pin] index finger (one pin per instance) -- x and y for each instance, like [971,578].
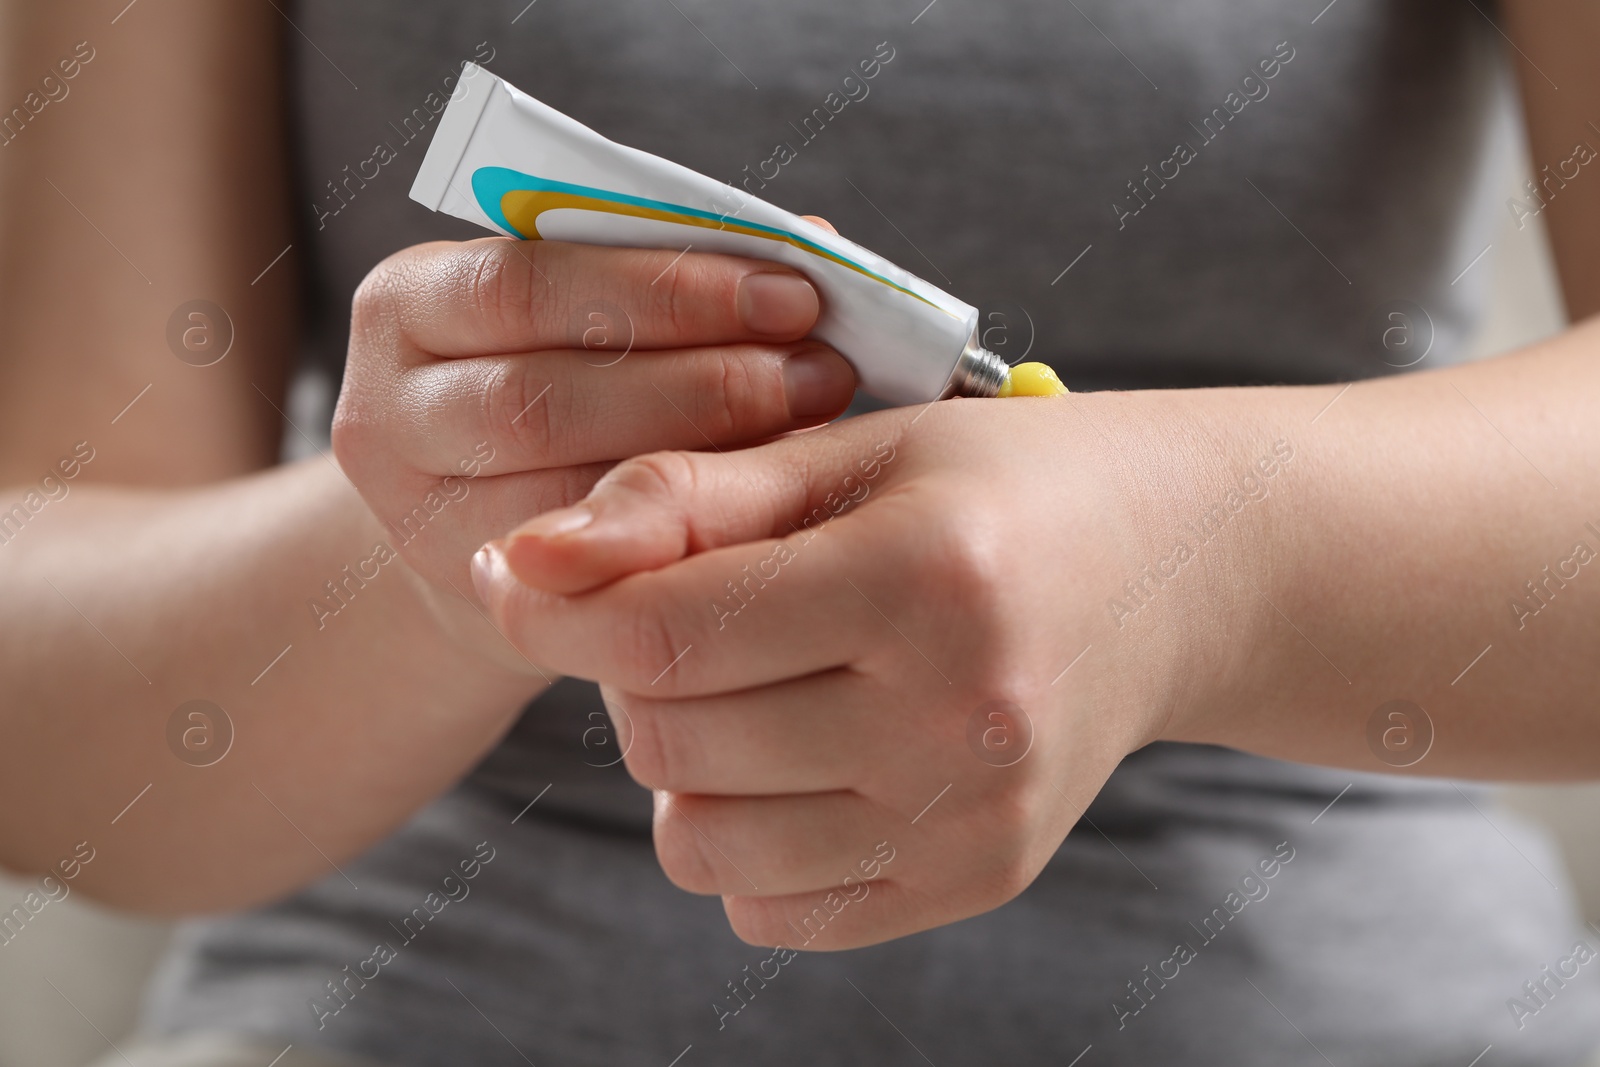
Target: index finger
[753,559]
[495,295]
[654,509]
[717,622]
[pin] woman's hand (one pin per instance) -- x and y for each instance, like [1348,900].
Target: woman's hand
[492,380]
[873,639]
[1272,569]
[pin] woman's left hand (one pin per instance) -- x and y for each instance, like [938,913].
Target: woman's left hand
[869,670]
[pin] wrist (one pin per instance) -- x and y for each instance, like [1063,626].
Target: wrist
[1206,477]
[445,615]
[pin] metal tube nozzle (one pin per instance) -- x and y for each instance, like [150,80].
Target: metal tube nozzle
[978,372]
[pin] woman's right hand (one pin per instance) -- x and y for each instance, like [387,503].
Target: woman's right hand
[492,380]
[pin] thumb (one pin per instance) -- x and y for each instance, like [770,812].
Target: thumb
[656,509]
[820,221]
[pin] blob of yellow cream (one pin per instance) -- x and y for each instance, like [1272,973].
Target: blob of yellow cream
[1032,379]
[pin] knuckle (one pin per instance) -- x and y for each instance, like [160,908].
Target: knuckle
[741,397]
[1008,881]
[681,296]
[487,291]
[394,288]
[1005,675]
[501,288]
[361,444]
[681,852]
[1010,843]
[756,921]
[518,411]
[969,563]
[650,758]
[371,302]
[1014,810]
[660,476]
[374,355]
[668,294]
[646,646]
[349,437]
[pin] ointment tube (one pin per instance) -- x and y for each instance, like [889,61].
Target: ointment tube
[504,160]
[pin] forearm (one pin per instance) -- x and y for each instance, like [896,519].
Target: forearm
[1390,559]
[347,717]
[103,237]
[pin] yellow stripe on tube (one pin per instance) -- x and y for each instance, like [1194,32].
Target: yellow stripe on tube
[522,208]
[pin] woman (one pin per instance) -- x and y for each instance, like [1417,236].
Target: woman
[438,876]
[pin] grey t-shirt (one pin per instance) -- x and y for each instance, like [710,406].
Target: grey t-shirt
[1142,193]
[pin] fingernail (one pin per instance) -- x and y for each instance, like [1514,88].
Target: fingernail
[777,304]
[483,568]
[817,381]
[554,523]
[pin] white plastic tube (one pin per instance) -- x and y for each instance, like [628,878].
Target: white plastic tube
[504,160]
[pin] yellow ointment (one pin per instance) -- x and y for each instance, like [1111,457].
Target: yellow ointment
[1032,379]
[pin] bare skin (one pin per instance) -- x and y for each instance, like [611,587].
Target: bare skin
[178,565]
[1382,535]
[182,565]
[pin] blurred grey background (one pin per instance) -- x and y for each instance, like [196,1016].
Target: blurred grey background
[103,958]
